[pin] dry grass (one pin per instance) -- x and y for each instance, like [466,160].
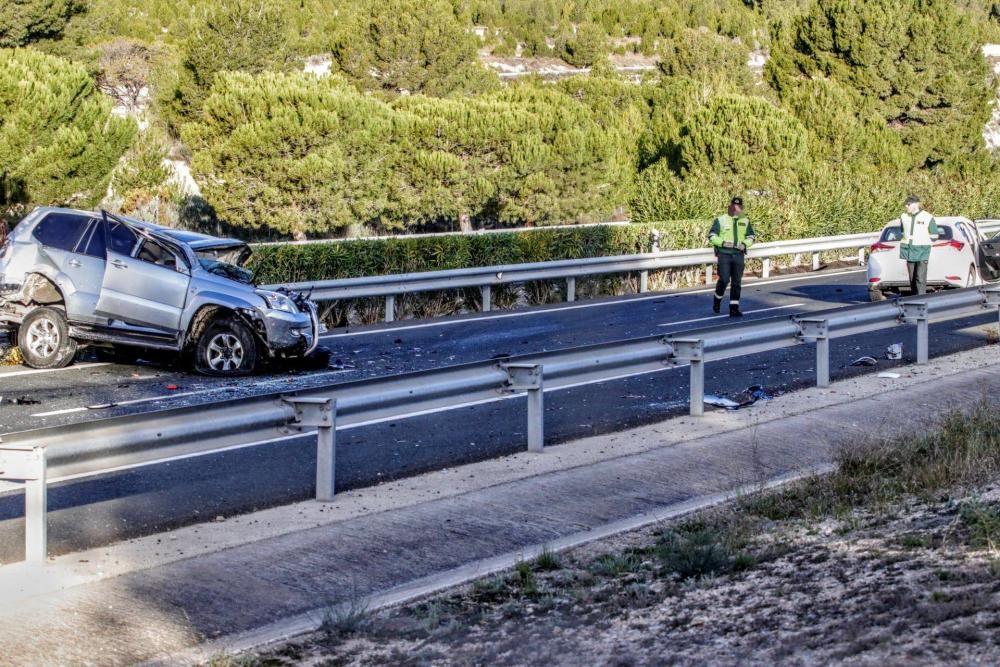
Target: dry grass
[10,356]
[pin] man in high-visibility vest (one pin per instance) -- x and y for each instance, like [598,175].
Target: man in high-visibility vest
[919,233]
[731,236]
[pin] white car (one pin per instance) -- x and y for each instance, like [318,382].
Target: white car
[957,259]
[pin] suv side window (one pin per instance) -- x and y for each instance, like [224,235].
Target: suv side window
[60,230]
[123,239]
[154,253]
[93,243]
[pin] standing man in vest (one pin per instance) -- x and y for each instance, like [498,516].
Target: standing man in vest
[919,233]
[731,236]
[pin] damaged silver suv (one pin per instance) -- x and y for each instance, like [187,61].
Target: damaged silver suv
[71,279]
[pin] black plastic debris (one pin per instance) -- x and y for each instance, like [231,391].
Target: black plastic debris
[864,361]
[23,401]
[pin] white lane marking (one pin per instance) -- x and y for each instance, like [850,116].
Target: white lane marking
[420,413]
[165,397]
[133,401]
[35,371]
[718,317]
[579,306]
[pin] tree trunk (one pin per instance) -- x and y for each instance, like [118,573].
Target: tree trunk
[465,223]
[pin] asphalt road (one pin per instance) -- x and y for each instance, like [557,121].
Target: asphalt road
[96,511]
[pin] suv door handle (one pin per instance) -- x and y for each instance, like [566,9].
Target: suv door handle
[74,263]
[119,264]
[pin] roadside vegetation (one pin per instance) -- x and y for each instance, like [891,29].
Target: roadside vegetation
[858,104]
[895,556]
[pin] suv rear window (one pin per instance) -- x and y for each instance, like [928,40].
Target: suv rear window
[60,230]
[893,234]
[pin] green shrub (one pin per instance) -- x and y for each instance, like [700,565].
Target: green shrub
[282,263]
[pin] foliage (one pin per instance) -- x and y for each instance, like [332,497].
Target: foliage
[230,35]
[306,155]
[58,139]
[126,69]
[25,21]
[392,46]
[917,62]
[142,169]
[745,141]
[293,152]
[709,57]
[587,45]
[368,257]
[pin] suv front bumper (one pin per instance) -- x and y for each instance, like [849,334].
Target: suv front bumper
[295,333]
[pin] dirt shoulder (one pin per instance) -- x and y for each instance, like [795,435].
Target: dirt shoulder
[892,559]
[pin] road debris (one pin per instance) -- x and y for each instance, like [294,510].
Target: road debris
[864,361]
[102,406]
[747,397]
[894,351]
[889,376]
[21,400]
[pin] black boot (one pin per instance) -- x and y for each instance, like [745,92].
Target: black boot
[716,304]
[734,310]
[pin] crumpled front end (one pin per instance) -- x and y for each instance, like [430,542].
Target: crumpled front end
[292,334]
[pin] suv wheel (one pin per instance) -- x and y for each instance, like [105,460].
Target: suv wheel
[44,339]
[226,347]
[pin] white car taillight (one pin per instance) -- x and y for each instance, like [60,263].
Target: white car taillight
[881,247]
[957,245]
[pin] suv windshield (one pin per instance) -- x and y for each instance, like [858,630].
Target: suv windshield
[893,234]
[220,261]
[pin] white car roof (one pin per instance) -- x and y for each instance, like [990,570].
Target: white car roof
[944,220]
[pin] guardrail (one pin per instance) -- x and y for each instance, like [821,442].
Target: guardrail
[59,453]
[485,278]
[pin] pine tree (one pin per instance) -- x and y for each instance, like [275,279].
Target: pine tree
[399,46]
[59,141]
[917,61]
[294,153]
[747,141]
[24,21]
[229,35]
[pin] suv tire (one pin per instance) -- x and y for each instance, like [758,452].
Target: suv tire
[226,347]
[44,339]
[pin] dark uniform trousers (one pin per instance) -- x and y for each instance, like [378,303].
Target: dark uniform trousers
[918,276]
[730,270]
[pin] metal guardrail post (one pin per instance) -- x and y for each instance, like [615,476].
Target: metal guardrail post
[570,289]
[861,256]
[708,274]
[815,261]
[390,307]
[27,464]
[765,271]
[916,313]
[991,297]
[819,331]
[320,413]
[528,378]
[487,292]
[693,351]
[643,282]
